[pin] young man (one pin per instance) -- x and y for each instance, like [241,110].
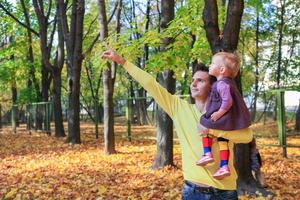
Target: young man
[199,182]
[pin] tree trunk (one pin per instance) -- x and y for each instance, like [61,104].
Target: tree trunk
[43,28]
[109,137]
[142,107]
[14,92]
[56,71]
[164,154]
[14,108]
[246,182]
[164,149]
[279,56]
[58,118]
[228,43]
[73,39]
[280,33]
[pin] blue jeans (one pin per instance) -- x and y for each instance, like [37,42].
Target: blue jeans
[192,192]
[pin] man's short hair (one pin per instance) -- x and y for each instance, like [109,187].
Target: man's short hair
[203,68]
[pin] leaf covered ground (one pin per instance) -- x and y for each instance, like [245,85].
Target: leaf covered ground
[39,166]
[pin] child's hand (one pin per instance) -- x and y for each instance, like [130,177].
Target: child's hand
[217,115]
[202,130]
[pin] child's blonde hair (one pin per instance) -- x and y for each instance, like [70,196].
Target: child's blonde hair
[231,61]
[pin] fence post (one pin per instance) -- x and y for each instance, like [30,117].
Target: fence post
[128,120]
[28,118]
[96,102]
[35,116]
[13,118]
[47,118]
[281,121]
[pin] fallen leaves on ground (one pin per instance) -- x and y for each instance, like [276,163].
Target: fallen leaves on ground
[38,166]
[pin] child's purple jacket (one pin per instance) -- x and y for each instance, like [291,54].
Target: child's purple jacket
[237,117]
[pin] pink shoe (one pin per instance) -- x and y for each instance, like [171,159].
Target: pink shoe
[222,172]
[205,159]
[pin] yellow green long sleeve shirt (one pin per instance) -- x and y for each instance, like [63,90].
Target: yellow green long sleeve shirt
[185,118]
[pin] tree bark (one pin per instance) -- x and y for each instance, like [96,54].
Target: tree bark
[280,33]
[73,39]
[47,67]
[56,71]
[43,32]
[58,118]
[109,137]
[210,19]
[143,118]
[164,153]
[14,116]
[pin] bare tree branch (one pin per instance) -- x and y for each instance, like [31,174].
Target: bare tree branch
[49,9]
[90,48]
[113,13]
[17,20]
[90,26]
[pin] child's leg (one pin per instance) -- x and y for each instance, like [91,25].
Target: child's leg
[224,157]
[207,155]
[224,152]
[207,143]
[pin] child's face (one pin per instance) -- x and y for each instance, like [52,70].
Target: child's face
[215,66]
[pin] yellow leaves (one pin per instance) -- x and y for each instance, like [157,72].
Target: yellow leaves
[41,167]
[11,193]
[101,190]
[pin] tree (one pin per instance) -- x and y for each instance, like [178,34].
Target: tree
[46,45]
[30,56]
[73,40]
[164,154]
[43,18]
[227,40]
[108,84]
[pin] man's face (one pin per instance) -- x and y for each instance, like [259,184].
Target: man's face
[200,86]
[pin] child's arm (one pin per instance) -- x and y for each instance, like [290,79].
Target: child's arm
[224,92]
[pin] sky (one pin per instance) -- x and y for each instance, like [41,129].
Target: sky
[292,98]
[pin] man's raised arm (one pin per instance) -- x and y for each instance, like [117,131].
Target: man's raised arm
[164,99]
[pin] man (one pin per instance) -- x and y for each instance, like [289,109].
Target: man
[199,182]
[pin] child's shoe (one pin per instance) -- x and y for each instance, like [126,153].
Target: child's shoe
[222,172]
[205,159]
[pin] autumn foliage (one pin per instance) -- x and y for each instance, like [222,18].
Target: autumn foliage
[38,166]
